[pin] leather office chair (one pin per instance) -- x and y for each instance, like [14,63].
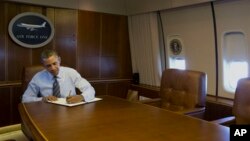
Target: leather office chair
[182,91]
[28,73]
[241,111]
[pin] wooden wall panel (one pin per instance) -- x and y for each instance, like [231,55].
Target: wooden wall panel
[16,53]
[89,28]
[17,58]
[115,47]
[2,43]
[110,34]
[88,51]
[118,89]
[15,100]
[95,44]
[125,68]
[89,67]
[9,99]
[115,55]
[5,107]
[100,88]
[103,41]
[109,67]
[65,35]
[65,22]
[2,57]
[64,41]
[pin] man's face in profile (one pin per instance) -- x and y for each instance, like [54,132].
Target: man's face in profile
[52,64]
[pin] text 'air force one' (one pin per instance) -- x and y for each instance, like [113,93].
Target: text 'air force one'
[31,27]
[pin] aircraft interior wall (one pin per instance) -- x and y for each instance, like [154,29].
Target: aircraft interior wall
[204,33]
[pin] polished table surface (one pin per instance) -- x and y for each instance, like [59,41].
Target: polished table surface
[115,119]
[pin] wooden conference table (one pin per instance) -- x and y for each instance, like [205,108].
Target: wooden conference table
[115,119]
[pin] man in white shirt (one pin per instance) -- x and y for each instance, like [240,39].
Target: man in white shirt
[68,79]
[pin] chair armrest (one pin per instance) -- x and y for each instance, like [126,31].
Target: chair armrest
[225,121]
[154,102]
[193,111]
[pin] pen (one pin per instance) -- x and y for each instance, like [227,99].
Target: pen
[68,96]
[69,93]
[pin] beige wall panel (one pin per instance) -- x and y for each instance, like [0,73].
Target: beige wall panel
[231,16]
[178,3]
[144,6]
[193,25]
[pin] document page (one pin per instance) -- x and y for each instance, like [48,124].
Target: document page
[62,101]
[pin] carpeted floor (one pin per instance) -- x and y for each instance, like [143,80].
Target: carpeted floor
[12,133]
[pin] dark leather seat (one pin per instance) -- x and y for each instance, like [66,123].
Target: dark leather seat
[241,110]
[182,91]
[242,102]
[28,73]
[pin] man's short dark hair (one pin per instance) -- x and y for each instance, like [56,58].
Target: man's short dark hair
[48,53]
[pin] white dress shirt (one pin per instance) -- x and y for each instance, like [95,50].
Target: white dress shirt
[68,79]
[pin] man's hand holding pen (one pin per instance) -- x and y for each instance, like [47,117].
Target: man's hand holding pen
[74,98]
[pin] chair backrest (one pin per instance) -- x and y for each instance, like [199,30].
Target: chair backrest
[182,89]
[241,109]
[28,73]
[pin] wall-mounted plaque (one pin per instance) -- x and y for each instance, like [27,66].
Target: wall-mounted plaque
[175,46]
[31,30]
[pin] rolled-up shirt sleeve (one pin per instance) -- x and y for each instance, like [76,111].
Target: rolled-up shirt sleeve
[87,91]
[31,93]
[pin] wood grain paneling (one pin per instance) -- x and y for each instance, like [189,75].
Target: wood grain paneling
[16,53]
[118,89]
[110,34]
[115,53]
[109,67]
[100,88]
[125,68]
[2,57]
[88,51]
[5,107]
[89,67]
[65,22]
[104,37]
[2,42]
[15,100]
[66,48]
[65,36]
[88,34]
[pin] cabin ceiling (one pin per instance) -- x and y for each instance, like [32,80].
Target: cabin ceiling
[121,7]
